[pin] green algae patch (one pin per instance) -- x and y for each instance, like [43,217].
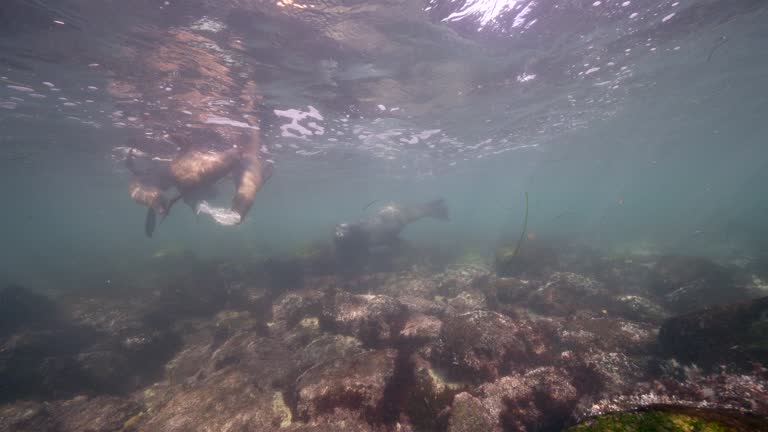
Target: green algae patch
[673,419]
[281,410]
[131,423]
[648,422]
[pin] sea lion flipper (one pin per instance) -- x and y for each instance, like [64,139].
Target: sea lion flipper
[168,208]
[150,222]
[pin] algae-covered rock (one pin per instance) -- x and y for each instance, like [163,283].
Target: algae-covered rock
[469,415]
[430,394]
[674,419]
[356,383]
[690,283]
[565,292]
[735,334]
[420,329]
[27,416]
[479,345]
[468,301]
[541,399]
[374,319]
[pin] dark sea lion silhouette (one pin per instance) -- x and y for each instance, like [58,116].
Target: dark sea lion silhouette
[382,229]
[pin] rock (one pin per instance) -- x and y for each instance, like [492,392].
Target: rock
[228,400]
[541,399]
[606,372]
[458,280]
[564,293]
[588,333]
[529,261]
[469,415]
[690,283]
[628,275]
[406,285]
[358,383]
[430,395]
[232,321]
[241,384]
[468,301]
[99,414]
[734,334]
[21,307]
[256,299]
[294,306]
[509,290]
[27,416]
[327,348]
[43,363]
[674,419]
[418,305]
[105,371]
[374,319]
[640,308]
[480,346]
[341,420]
[420,329]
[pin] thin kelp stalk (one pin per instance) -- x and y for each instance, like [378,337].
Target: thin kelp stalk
[525,227]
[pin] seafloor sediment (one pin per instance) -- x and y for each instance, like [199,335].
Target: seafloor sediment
[539,343]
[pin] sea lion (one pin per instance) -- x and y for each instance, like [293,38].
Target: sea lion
[194,173]
[381,230]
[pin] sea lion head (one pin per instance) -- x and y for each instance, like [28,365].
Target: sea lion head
[348,235]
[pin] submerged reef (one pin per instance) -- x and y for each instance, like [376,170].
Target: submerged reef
[548,343]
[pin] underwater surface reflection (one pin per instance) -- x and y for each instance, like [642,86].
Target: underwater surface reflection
[395,215]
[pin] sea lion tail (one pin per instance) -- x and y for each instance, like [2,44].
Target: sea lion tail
[438,210]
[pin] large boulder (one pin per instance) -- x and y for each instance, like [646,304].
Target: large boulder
[541,399]
[469,415]
[420,329]
[359,383]
[97,414]
[563,293]
[734,334]
[430,395]
[374,319]
[27,416]
[481,346]
[240,382]
[690,283]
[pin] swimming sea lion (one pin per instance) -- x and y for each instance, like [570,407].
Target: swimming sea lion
[193,172]
[383,228]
